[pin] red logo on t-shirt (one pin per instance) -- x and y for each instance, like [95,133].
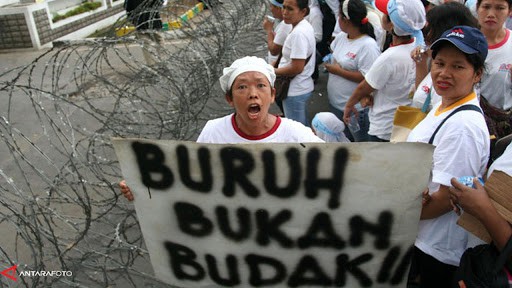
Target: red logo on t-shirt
[351,55]
[505,67]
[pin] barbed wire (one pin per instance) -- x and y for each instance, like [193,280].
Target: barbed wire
[61,208]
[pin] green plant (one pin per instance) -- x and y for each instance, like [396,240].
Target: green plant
[85,7]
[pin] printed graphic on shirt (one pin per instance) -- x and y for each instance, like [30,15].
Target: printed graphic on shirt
[505,67]
[351,55]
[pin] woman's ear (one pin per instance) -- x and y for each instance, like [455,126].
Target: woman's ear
[229,98]
[305,12]
[478,75]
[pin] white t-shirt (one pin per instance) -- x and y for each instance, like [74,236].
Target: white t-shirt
[281,31]
[503,163]
[224,130]
[354,55]
[300,44]
[420,95]
[392,76]
[374,17]
[335,7]
[337,29]
[315,18]
[462,149]
[496,85]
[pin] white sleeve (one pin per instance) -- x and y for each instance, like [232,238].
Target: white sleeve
[503,163]
[204,136]
[308,136]
[369,55]
[457,153]
[299,42]
[281,33]
[316,21]
[379,73]
[336,42]
[337,29]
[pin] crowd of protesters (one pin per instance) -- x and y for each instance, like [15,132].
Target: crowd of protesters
[377,59]
[452,55]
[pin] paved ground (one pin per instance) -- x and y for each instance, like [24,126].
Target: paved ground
[319,102]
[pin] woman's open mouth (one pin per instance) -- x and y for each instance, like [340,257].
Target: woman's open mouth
[254,109]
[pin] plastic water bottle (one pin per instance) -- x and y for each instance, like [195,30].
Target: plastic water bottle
[327,58]
[353,125]
[468,180]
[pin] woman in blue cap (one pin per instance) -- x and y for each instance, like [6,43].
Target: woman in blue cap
[439,19]
[457,129]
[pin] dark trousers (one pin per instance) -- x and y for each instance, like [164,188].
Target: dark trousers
[328,24]
[372,138]
[431,272]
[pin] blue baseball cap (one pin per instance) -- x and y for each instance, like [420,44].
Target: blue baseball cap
[467,39]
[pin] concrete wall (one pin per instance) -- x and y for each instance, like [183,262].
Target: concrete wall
[14,32]
[30,25]
[62,4]
[7,2]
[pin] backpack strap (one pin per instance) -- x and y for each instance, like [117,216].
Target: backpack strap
[276,64]
[461,108]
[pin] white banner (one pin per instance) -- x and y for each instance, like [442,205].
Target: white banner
[277,215]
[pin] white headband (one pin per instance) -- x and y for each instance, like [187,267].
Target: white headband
[345,9]
[246,64]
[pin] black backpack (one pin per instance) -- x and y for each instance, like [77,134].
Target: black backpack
[482,267]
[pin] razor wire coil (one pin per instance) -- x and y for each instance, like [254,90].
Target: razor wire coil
[61,208]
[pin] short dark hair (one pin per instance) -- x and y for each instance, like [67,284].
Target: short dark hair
[445,16]
[303,4]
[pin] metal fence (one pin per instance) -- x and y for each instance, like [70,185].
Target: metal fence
[60,206]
